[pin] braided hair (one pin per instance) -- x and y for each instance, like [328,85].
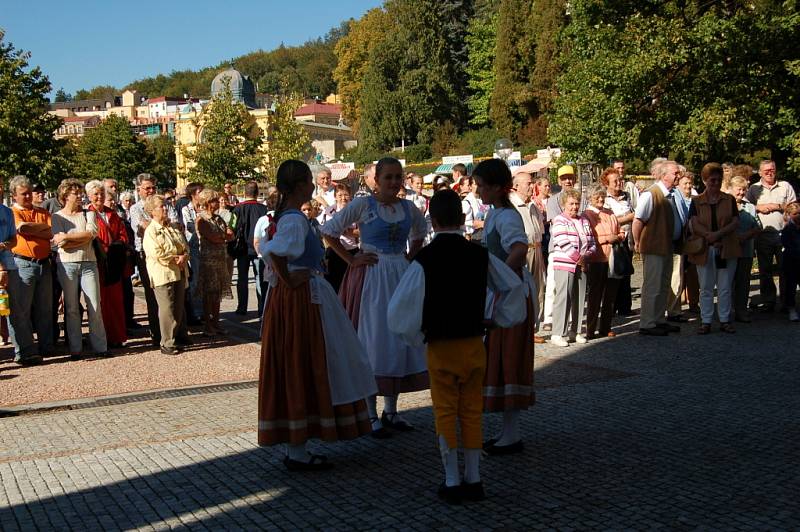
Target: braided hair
[290,174]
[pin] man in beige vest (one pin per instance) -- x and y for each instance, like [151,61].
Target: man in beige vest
[656,228]
[521,197]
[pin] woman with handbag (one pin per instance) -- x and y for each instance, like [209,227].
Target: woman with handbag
[602,284]
[112,238]
[76,263]
[714,218]
[619,202]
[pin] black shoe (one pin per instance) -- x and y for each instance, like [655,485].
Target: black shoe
[402,426]
[317,463]
[29,360]
[133,326]
[653,331]
[668,327]
[381,433]
[766,307]
[184,341]
[103,354]
[241,312]
[677,319]
[76,356]
[501,450]
[449,494]
[116,345]
[472,492]
[489,443]
[169,351]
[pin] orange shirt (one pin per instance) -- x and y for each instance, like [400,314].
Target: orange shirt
[35,248]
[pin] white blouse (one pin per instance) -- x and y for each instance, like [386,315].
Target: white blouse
[507,222]
[357,211]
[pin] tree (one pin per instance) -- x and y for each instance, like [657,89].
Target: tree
[512,103]
[62,96]
[27,145]
[695,80]
[111,151]
[229,147]
[482,44]
[287,139]
[101,92]
[161,154]
[352,54]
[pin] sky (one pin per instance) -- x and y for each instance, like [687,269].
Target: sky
[81,43]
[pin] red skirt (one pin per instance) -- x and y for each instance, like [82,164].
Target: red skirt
[350,292]
[294,398]
[509,370]
[113,311]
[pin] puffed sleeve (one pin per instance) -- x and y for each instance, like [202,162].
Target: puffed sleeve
[405,307]
[419,227]
[511,228]
[509,307]
[289,239]
[352,213]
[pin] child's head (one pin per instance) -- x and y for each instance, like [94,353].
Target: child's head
[293,178]
[445,210]
[389,176]
[494,181]
[307,209]
[793,212]
[417,183]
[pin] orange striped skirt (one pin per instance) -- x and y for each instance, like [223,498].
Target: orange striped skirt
[509,370]
[294,398]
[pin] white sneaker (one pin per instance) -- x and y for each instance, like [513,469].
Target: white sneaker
[580,339]
[560,341]
[793,315]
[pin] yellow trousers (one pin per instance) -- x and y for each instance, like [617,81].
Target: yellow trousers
[456,369]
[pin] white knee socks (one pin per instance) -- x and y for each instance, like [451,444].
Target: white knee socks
[372,410]
[298,453]
[450,462]
[472,461]
[510,433]
[390,404]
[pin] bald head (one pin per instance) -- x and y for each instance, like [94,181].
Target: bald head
[523,186]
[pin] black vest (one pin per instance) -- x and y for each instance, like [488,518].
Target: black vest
[455,287]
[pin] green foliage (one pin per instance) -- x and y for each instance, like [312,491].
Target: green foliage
[101,92]
[27,145]
[287,138]
[361,155]
[417,153]
[111,151]
[697,80]
[478,141]
[481,43]
[229,149]
[62,96]
[512,102]
[161,155]
[445,140]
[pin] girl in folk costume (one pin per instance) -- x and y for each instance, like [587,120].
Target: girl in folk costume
[387,226]
[314,373]
[508,387]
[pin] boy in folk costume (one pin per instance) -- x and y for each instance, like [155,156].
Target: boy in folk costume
[456,354]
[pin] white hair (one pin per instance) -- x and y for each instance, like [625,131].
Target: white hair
[93,185]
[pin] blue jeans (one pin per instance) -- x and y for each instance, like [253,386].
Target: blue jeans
[243,266]
[30,291]
[77,277]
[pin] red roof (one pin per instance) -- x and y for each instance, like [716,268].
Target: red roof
[160,99]
[319,109]
[78,118]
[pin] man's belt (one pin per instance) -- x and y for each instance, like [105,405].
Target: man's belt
[535,245]
[31,259]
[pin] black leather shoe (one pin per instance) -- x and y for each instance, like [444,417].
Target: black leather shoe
[501,450]
[488,443]
[183,341]
[668,327]
[653,331]
[472,492]
[449,494]
[317,463]
[387,420]
[677,319]
[29,360]
[169,351]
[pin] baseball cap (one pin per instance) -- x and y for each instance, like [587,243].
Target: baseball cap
[566,170]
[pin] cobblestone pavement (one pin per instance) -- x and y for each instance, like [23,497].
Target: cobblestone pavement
[684,433]
[690,433]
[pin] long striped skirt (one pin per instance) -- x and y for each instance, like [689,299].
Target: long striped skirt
[294,396]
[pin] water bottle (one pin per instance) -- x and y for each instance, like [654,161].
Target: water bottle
[5,309]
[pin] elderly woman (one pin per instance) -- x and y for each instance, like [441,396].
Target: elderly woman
[113,239]
[168,267]
[749,228]
[573,244]
[213,235]
[714,217]
[76,263]
[618,201]
[602,287]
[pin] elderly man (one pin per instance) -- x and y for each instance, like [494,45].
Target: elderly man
[139,219]
[770,197]
[325,192]
[566,181]
[228,192]
[521,197]
[369,182]
[657,229]
[29,277]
